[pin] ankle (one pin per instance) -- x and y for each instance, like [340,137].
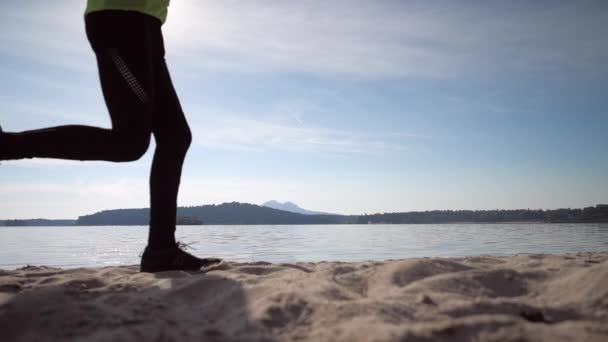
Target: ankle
[161,244]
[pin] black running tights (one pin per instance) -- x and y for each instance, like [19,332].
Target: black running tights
[141,102]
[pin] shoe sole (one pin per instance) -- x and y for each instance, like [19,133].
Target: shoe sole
[203,269]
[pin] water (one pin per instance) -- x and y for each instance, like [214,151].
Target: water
[104,246]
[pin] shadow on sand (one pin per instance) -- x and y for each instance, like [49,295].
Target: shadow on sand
[122,304]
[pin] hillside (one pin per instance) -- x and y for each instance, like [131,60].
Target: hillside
[226,213]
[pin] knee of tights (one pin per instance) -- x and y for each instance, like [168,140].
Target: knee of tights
[133,147]
[179,141]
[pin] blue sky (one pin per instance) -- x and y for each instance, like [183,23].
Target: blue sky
[340,106]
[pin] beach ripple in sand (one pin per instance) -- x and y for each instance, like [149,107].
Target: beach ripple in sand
[518,298]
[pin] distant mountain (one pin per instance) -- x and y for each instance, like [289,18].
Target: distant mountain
[226,213]
[291,207]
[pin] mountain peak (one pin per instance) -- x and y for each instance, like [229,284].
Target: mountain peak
[291,207]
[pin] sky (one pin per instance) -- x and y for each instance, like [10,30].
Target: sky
[343,106]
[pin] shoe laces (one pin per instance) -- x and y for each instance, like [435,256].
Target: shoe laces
[180,244]
[185,245]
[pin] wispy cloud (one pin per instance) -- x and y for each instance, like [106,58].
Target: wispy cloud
[70,85]
[362,38]
[22,114]
[79,187]
[257,135]
[389,38]
[48,35]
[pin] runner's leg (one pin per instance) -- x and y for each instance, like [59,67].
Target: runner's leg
[141,99]
[124,72]
[173,137]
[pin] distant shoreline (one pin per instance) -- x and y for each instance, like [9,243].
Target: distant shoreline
[313,224]
[235,213]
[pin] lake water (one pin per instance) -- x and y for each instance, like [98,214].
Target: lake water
[103,246]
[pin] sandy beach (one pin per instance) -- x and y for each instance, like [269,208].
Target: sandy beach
[517,298]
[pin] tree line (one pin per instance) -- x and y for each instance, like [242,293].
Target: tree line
[598,213]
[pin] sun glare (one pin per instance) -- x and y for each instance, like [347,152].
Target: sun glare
[179,17]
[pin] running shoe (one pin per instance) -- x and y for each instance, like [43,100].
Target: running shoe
[174,259]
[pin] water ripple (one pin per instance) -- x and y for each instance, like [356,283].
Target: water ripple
[103,246]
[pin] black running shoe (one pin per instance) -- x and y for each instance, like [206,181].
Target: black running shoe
[174,259]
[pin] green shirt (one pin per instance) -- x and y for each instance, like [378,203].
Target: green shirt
[155,8]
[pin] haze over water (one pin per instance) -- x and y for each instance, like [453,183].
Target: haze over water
[70,247]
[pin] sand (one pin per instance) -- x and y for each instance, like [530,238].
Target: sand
[517,298]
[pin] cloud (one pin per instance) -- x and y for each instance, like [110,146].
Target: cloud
[65,84]
[236,133]
[32,116]
[388,38]
[48,35]
[359,38]
[91,189]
